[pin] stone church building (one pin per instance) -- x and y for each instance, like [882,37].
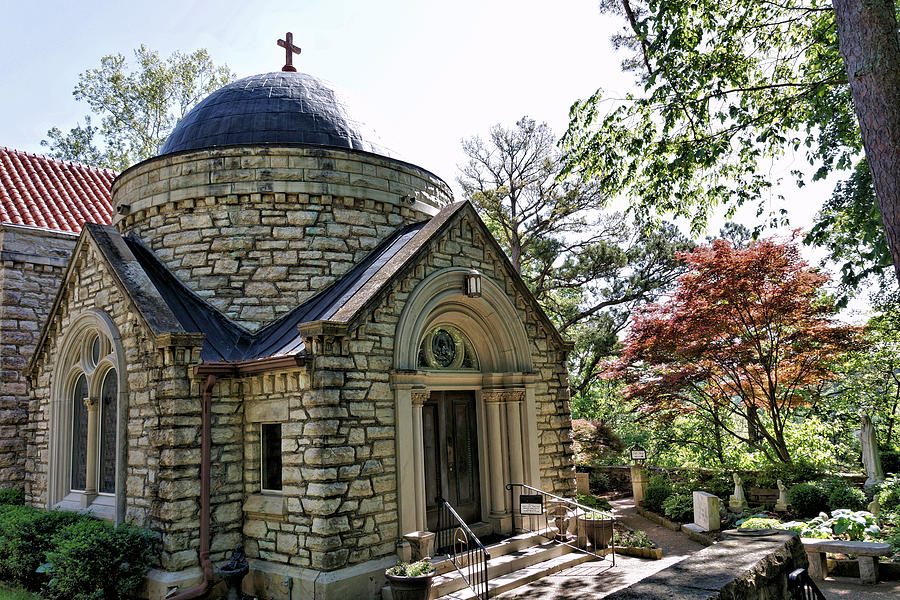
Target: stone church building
[290,340]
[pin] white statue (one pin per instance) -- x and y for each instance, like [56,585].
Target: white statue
[781,503]
[870,458]
[738,502]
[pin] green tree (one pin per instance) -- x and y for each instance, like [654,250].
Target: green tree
[725,89]
[136,107]
[870,377]
[588,268]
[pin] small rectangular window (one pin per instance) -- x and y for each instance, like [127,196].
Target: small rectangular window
[270,442]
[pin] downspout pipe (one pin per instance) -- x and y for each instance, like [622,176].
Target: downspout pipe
[205,460]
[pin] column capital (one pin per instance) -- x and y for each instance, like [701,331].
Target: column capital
[503,396]
[420,396]
[91,402]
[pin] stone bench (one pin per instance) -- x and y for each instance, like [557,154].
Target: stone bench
[868,553]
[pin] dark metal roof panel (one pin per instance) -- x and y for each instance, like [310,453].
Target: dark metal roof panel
[280,107]
[227,341]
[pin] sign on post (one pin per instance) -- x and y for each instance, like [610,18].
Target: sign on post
[531,504]
[638,454]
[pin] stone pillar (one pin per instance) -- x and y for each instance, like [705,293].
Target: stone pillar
[406,460]
[418,398]
[638,483]
[514,434]
[499,516]
[93,432]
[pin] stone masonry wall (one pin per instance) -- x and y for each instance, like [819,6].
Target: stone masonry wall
[163,445]
[340,479]
[32,263]
[256,231]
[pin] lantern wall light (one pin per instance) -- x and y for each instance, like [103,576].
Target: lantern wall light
[473,284]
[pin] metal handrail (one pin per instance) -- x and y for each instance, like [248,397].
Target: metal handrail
[463,548]
[574,506]
[802,586]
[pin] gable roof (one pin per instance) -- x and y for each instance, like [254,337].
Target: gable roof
[44,192]
[402,262]
[167,305]
[229,342]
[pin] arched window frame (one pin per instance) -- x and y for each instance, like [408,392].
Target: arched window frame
[76,356]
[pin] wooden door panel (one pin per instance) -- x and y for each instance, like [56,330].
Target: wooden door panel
[451,454]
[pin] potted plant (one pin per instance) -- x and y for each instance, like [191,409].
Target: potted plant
[411,581]
[597,527]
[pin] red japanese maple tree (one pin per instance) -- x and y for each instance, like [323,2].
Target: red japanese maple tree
[748,335]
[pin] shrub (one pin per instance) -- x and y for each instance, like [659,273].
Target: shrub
[92,560]
[846,497]
[855,526]
[25,535]
[658,489]
[807,499]
[889,494]
[679,507]
[759,522]
[890,462]
[788,474]
[599,482]
[595,442]
[632,539]
[13,496]
[593,501]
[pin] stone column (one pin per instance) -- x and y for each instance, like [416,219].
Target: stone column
[638,483]
[500,517]
[93,431]
[418,398]
[406,461]
[514,403]
[530,438]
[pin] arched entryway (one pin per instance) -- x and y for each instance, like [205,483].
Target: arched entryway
[466,426]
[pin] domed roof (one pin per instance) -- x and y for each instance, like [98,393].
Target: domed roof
[272,108]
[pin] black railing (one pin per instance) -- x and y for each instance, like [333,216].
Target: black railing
[802,587]
[553,517]
[463,548]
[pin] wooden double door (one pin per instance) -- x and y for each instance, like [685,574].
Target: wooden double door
[451,455]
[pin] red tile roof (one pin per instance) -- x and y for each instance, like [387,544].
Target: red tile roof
[45,192]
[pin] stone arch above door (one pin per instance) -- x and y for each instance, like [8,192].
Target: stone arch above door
[503,385]
[490,322]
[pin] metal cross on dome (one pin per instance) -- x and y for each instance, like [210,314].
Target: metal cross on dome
[289,50]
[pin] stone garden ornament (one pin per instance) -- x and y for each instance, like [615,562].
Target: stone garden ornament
[870,458]
[738,502]
[781,503]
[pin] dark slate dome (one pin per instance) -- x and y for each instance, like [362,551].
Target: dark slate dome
[272,108]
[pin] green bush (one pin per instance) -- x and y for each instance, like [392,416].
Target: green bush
[679,507]
[599,482]
[846,497]
[13,496]
[658,489]
[25,535]
[416,569]
[808,500]
[92,560]
[788,474]
[632,539]
[890,462]
[889,494]
[593,501]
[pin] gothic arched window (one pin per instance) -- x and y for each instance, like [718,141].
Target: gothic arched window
[86,445]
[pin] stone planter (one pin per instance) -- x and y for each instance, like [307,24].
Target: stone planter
[597,531]
[410,588]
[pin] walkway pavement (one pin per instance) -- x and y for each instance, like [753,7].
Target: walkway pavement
[597,579]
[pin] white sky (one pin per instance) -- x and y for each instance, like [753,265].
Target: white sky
[425,74]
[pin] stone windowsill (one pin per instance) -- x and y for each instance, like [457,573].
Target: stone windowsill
[102,506]
[266,507]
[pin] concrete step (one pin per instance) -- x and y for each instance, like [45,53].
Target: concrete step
[515,561]
[522,576]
